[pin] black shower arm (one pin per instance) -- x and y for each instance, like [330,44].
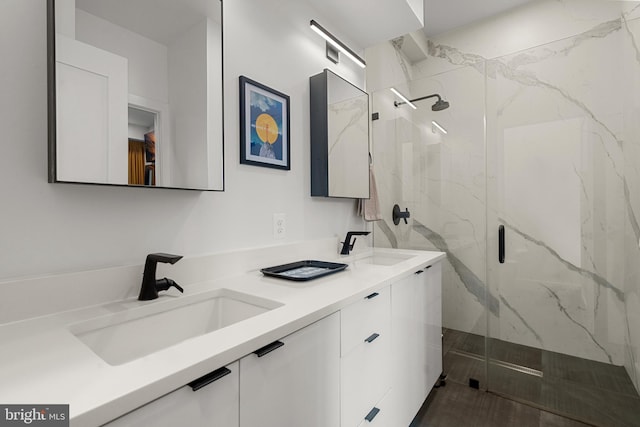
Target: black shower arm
[435,95]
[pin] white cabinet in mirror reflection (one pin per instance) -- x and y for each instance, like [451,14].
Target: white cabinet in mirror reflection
[163,60]
[339,137]
[92,113]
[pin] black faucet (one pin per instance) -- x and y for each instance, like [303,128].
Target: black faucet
[347,245]
[151,286]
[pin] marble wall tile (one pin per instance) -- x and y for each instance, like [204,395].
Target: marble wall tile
[556,140]
[631,151]
[533,24]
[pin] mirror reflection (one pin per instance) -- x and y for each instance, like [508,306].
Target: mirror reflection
[348,138]
[339,137]
[138,90]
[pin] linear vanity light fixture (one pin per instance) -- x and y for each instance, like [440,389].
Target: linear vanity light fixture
[405,100]
[333,42]
[440,128]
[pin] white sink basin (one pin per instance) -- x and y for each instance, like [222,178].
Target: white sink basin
[386,259]
[131,334]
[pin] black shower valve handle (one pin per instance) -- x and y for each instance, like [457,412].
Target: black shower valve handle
[398,215]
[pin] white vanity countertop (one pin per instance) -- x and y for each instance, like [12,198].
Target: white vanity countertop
[42,362]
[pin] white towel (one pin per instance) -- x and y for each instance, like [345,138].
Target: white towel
[369,208]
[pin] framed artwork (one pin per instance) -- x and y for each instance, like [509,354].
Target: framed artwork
[264,126]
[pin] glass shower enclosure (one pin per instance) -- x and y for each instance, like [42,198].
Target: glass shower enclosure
[545,144]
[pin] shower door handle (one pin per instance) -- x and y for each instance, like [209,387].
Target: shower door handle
[501,244]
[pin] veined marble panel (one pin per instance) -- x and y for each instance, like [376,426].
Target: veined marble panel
[555,145]
[533,24]
[348,127]
[387,67]
[631,149]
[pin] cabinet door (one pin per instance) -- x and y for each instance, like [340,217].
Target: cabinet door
[297,384]
[434,322]
[408,348]
[417,356]
[214,405]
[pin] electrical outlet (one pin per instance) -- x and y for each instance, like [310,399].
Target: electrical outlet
[279,226]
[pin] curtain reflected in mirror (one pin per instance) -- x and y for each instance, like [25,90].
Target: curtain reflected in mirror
[142,160]
[136,162]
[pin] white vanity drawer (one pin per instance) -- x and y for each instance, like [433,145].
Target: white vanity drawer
[365,377]
[363,318]
[380,414]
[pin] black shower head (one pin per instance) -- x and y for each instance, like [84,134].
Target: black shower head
[440,105]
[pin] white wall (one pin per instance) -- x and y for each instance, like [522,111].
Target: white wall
[46,228]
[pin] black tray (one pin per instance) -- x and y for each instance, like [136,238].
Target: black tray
[301,271]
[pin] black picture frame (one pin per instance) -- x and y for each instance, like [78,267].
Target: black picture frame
[264,126]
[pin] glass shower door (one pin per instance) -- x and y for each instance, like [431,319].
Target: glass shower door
[555,184]
[439,177]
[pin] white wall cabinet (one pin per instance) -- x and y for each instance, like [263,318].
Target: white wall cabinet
[296,384]
[416,321]
[214,405]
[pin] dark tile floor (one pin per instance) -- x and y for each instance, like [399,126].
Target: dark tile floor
[457,405]
[594,393]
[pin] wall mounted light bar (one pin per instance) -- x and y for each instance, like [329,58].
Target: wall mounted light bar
[404,99]
[333,41]
[437,126]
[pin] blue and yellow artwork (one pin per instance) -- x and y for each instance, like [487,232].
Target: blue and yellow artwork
[266,126]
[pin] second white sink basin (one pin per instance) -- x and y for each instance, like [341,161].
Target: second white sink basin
[386,259]
[126,336]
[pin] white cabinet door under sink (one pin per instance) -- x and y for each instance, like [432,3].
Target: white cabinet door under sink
[213,405]
[416,328]
[297,384]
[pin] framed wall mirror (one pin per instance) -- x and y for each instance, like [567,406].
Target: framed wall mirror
[135,93]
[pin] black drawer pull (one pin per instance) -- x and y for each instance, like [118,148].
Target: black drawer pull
[427,267]
[372,414]
[205,380]
[268,348]
[419,272]
[371,338]
[373,295]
